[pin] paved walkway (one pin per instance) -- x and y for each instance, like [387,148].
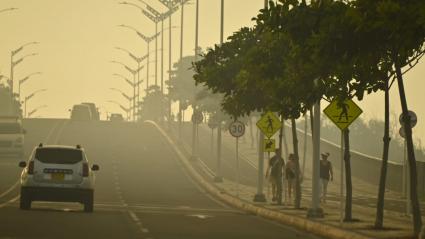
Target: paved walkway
[397,223]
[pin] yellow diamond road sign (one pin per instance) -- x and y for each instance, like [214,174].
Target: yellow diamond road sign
[269,124]
[343,114]
[269,145]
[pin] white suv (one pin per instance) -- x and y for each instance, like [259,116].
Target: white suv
[57,173]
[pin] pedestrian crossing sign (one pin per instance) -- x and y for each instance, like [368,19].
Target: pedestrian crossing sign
[342,114]
[269,124]
[269,145]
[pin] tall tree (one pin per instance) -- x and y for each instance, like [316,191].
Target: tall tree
[399,27]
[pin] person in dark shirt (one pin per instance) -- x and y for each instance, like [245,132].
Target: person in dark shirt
[326,173]
[275,175]
[290,176]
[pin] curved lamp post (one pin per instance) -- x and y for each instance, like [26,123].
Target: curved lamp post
[148,40]
[134,73]
[23,80]
[36,109]
[30,96]
[8,9]
[138,60]
[126,110]
[14,63]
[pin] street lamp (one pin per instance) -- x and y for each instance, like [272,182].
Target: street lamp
[134,73]
[155,16]
[195,138]
[139,62]
[35,110]
[23,80]
[13,63]
[123,94]
[126,110]
[129,98]
[30,96]
[125,79]
[171,5]
[8,9]
[135,58]
[148,40]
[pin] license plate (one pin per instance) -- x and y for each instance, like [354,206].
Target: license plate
[58,176]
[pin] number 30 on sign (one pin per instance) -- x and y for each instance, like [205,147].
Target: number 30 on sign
[237,129]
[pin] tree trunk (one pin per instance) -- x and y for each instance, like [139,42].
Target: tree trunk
[180,120]
[281,134]
[285,143]
[305,143]
[379,221]
[251,132]
[311,125]
[297,202]
[416,211]
[212,142]
[349,186]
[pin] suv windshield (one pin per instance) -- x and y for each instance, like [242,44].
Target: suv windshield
[10,128]
[59,156]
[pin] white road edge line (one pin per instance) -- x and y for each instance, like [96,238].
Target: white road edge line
[10,201]
[18,181]
[10,189]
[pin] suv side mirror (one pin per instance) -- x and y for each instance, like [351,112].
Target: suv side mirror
[95,167]
[22,164]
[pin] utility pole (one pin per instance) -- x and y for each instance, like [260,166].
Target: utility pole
[162,56]
[169,65]
[315,211]
[218,178]
[171,5]
[195,126]
[259,196]
[182,2]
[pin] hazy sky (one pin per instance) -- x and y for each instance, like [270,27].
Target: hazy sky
[78,39]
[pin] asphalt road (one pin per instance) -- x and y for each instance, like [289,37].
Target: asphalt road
[142,191]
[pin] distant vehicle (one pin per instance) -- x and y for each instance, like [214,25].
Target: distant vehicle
[11,136]
[59,174]
[116,118]
[81,112]
[93,110]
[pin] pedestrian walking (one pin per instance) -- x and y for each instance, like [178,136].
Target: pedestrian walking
[290,175]
[275,174]
[326,173]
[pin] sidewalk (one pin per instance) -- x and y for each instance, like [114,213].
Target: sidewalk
[397,224]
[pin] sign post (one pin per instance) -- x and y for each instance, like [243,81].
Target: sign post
[237,129]
[268,124]
[406,169]
[269,145]
[342,114]
[316,211]
[197,118]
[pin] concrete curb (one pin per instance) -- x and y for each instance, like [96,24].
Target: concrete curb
[313,227]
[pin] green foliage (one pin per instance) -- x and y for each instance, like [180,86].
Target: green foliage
[298,53]
[181,84]
[6,105]
[155,105]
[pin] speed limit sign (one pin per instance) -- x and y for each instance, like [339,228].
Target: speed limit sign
[237,129]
